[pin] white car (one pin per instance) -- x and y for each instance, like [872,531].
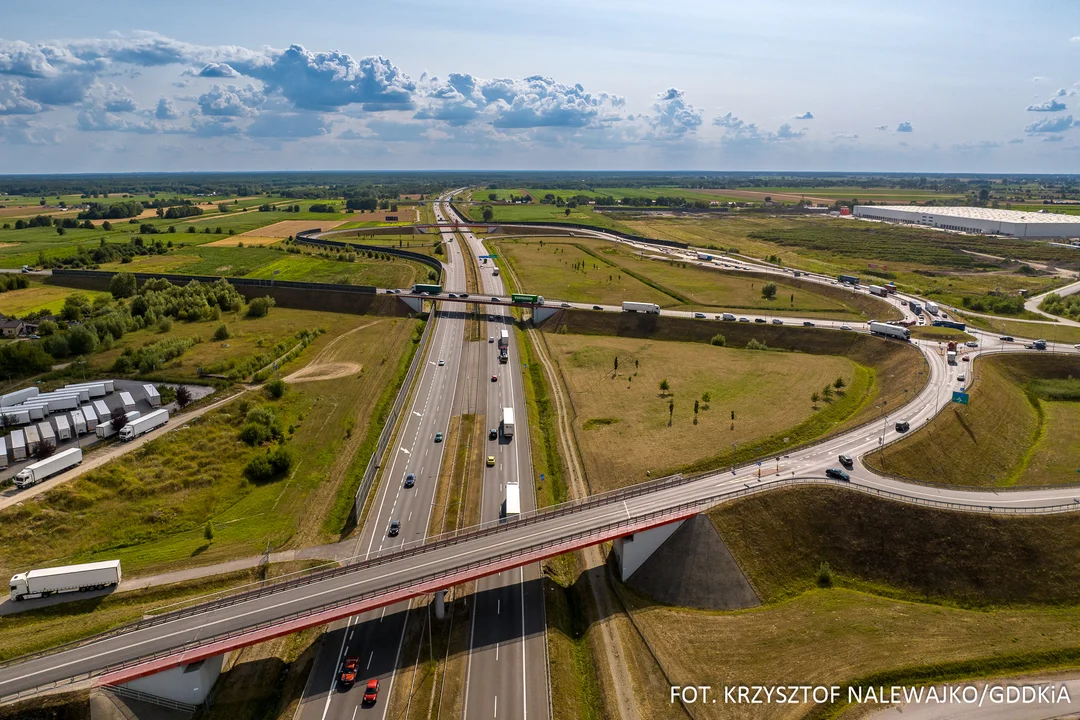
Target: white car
[441,363]
[491,338]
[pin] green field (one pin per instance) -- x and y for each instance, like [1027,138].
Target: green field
[535,212]
[149,508]
[1014,431]
[625,423]
[580,270]
[1002,599]
[1050,331]
[931,264]
[17,303]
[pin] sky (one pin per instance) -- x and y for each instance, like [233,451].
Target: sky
[771,85]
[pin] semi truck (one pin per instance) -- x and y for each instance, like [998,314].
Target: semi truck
[504,356]
[915,307]
[950,324]
[18,445]
[58,463]
[932,307]
[69,578]
[878,290]
[152,395]
[523,298]
[18,397]
[848,279]
[143,425]
[892,331]
[511,508]
[504,339]
[650,308]
[704,256]
[430,289]
[495,272]
[508,422]
[106,429]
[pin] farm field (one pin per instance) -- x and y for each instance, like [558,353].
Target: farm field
[17,303]
[535,212]
[423,244]
[1018,430]
[622,417]
[944,267]
[999,590]
[583,270]
[150,508]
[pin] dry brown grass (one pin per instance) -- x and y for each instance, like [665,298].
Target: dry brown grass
[284,228]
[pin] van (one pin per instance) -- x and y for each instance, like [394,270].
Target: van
[902,426]
[728,316]
[699,315]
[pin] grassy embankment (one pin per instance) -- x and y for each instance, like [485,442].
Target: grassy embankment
[621,414]
[39,296]
[581,270]
[1021,427]
[861,590]
[1049,331]
[945,267]
[149,508]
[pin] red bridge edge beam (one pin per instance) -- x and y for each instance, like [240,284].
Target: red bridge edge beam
[319,618]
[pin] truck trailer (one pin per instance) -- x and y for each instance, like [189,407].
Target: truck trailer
[143,425]
[107,430]
[650,308]
[63,428]
[33,439]
[95,390]
[18,397]
[508,422]
[152,395]
[90,415]
[3,452]
[848,279]
[78,422]
[892,331]
[504,339]
[46,431]
[704,256]
[12,416]
[69,578]
[878,290]
[932,307]
[950,324]
[18,445]
[58,463]
[127,400]
[511,508]
[102,410]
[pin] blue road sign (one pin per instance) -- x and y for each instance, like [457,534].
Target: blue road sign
[960,397]
[490,257]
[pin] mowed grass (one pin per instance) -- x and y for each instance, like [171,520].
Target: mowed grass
[1049,331]
[623,418]
[535,212]
[16,303]
[1005,436]
[149,507]
[581,270]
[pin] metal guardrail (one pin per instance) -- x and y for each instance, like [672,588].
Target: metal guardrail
[133,694]
[375,462]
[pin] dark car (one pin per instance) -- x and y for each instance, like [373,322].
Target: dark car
[565,305]
[807,323]
[846,461]
[453,295]
[349,666]
[463,295]
[838,474]
[597,307]
[494,378]
[395,528]
[1006,338]
[495,299]
[759,320]
[493,434]
[410,480]
[371,692]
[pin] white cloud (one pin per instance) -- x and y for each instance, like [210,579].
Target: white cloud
[674,116]
[1051,105]
[805,116]
[1051,125]
[904,127]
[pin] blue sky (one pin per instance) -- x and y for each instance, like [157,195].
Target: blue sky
[771,85]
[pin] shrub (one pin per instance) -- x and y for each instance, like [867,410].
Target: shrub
[718,340]
[281,460]
[183,396]
[755,344]
[259,468]
[122,285]
[165,325]
[259,307]
[221,333]
[275,388]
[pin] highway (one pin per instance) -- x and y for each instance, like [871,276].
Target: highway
[507,665]
[376,637]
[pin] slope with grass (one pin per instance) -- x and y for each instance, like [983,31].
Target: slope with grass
[150,508]
[914,593]
[1018,429]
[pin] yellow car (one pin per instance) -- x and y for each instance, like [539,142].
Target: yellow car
[491,461]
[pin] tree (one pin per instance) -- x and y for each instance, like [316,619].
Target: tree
[493,196]
[814,398]
[567,211]
[44,449]
[183,397]
[839,383]
[60,230]
[118,417]
[208,531]
[616,363]
[275,388]
[123,285]
[664,385]
[259,307]
[768,291]
[488,214]
[106,225]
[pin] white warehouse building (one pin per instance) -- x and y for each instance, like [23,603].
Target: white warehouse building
[980,221]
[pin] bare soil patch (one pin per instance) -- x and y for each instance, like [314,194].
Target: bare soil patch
[247,240]
[326,371]
[284,228]
[779,197]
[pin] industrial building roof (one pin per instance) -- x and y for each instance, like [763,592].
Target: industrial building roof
[978,213]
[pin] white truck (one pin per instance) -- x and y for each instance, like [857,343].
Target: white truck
[704,256]
[504,339]
[511,508]
[91,417]
[63,428]
[932,307]
[650,308]
[18,445]
[58,463]
[78,422]
[508,422]
[878,290]
[894,331]
[152,395]
[106,430]
[18,397]
[46,432]
[127,400]
[3,452]
[69,578]
[33,439]
[102,410]
[143,425]
[495,272]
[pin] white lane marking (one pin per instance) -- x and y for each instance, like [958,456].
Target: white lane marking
[355,708]
[369,659]
[341,654]
[405,450]
[496,650]
[496,706]
[498,606]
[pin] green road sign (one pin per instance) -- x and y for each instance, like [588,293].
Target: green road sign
[960,397]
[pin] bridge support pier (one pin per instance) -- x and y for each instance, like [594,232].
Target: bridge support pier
[633,550]
[415,304]
[180,688]
[542,313]
[440,604]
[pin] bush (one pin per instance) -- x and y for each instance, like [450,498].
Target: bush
[260,425]
[259,307]
[768,291]
[259,468]
[254,433]
[221,333]
[718,340]
[165,325]
[755,344]
[275,389]
[122,285]
[281,460]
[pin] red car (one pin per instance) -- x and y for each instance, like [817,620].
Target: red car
[349,666]
[371,692]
